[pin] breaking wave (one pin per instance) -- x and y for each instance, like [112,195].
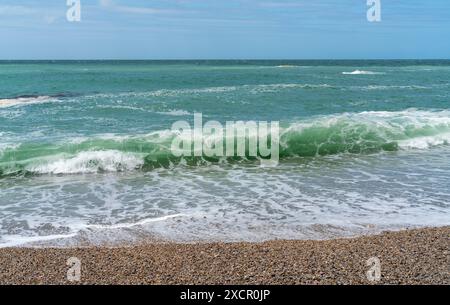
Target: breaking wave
[349,133]
[23,100]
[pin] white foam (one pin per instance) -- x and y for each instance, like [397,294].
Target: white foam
[174,92]
[89,162]
[403,127]
[5,146]
[139,223]
[242,204]
[276,87]
[17,240]
[381,87]
[287,66]
[207,90]
[121,107]
[175,112]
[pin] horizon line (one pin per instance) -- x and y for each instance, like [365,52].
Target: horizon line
[225,59]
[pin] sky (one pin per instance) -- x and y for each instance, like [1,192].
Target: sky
[226,29]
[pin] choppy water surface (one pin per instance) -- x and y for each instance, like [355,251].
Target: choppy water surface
[85,150]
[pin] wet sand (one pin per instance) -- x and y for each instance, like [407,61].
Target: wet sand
[419,256]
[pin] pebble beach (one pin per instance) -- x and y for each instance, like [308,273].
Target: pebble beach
[418,256]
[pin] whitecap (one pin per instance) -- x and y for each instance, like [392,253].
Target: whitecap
[175,112]
[89,162]
[19,101]
[361,72]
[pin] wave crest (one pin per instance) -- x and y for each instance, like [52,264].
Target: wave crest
[351,133]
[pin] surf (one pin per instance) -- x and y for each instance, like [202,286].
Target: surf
[349,133]
[25,100]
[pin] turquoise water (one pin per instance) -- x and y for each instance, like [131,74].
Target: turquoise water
[85,149]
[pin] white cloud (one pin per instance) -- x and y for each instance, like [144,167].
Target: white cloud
[281,4]
[106,3]
[15,10]
[110,4]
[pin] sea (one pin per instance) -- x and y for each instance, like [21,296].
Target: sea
[86,159]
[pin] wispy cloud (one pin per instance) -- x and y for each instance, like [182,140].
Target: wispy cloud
[281,4]
[110,4]
[25,14]
[16,10]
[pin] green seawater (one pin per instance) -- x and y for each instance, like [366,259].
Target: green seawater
[85,149]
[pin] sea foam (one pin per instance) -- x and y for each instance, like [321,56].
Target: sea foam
[88,162]
[348,133]
[20,101]
[361,72]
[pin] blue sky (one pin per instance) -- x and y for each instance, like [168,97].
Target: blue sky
[227,29]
